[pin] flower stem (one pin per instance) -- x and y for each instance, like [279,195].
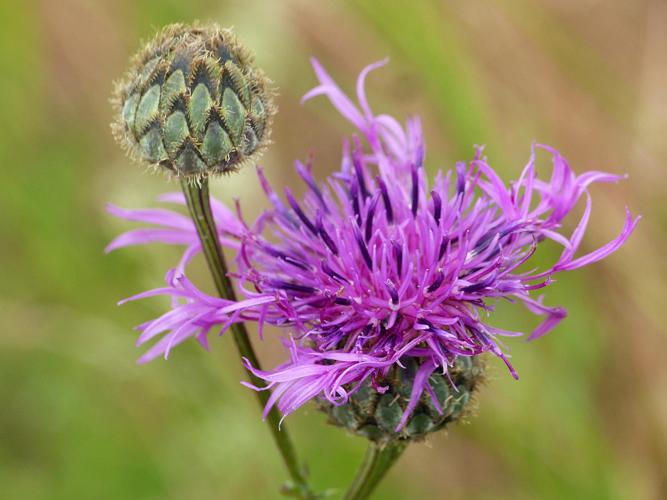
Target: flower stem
[197,197]
[378,460]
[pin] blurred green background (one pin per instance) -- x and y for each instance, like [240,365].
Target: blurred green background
[79,419]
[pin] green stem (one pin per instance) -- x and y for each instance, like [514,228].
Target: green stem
[378,460]
[198,200]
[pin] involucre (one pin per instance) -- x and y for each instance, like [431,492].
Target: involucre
[192,103]
[376,415]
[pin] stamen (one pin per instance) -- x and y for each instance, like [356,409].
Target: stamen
[369,218]
[354,194]
[357,162]
[398,252]
[419,155]
[327,270]
[297,209]
[362,247]
[292,287]
[425,322]
[479,286]
[385,199]
[393,293]
[306,174]
[415,190]
[440,277]
[295,262]
[443,247]
[274,252]
[328,241]
[437,206]
[460,177]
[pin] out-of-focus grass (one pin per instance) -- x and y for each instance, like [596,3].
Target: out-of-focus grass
[81,420]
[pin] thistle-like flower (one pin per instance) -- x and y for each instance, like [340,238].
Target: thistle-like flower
[383,280]
[193,103]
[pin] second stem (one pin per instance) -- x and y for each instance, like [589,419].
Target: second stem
[378,460]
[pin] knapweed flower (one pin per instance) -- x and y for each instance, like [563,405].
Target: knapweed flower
[384,281]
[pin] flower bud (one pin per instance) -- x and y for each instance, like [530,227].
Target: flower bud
[376,416]
[193,103]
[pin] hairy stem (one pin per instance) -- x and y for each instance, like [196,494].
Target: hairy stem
[378,460]
[198,201]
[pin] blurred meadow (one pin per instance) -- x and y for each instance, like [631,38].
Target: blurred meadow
[79,419]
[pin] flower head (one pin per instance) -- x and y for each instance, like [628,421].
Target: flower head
[378,270]
[193,103]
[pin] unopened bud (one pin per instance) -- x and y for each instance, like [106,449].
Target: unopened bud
[193,104]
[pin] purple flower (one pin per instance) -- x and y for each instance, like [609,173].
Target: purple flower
[174,228]
[377,264]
